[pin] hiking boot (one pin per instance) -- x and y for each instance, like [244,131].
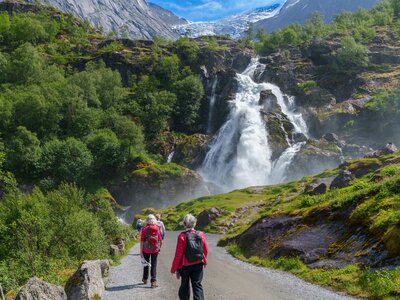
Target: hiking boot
[144,281]
[154,284]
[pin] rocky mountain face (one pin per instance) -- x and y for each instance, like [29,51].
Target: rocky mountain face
[133,18]
[167,16]
[298,11]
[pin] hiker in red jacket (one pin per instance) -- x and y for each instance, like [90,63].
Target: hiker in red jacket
[190,259]
[150,245]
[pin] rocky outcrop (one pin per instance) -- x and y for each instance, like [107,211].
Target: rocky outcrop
[87,281]
[280,132]
[208,216]
[390,148]
[191,150]
[37,289]
[315,188]
[147,189]
[322,239]
[342,180]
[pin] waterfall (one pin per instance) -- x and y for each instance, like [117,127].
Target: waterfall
[240,155]
[212,105]
[170,156]
[278,174]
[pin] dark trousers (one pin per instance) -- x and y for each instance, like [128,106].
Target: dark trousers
[194,274]
[153,263]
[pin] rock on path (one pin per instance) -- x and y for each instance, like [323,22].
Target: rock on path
[224,278]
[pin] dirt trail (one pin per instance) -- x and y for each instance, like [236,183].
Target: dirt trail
[224,278]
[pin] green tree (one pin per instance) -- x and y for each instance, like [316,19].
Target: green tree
[36,113]
[189,93]
[5,24]
[84,236]
[351,57]
[168,69]
[5,114]
[130,134]
[23,153]
[187,49]
[108,220]
[26,29]
[26,65]
[153,107]
[68,160]
[106,151]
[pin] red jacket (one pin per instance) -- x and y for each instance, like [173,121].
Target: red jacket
[180,260]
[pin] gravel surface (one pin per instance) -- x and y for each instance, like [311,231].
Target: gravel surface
[225,278]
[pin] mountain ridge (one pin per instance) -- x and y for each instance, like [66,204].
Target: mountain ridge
[136,18]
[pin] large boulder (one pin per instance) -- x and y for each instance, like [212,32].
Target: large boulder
[190,151]
[342,180]
[316,188]
[87,281]
[37,289]
[207,216]
[269,102]
[280,130]
[390,148]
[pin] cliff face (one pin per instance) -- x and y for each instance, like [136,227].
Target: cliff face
[135,18]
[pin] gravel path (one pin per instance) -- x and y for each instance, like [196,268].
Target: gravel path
[224,278]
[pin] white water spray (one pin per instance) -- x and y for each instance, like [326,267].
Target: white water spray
[240,155]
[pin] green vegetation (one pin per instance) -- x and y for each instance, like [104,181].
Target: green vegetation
[43,234]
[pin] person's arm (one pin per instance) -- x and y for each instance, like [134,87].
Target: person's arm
[205,245]
[163,228]
[142,238]
[160,238]
[176,264]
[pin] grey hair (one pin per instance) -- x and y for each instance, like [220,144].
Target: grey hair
[151,219]
[189,221]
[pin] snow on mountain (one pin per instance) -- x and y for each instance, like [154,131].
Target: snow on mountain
[234,26]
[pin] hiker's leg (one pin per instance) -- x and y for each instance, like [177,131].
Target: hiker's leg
[146,269]
[184,290]
[154,266]
[196,276]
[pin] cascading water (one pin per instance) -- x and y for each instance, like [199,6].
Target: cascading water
[212,105]
[240,155]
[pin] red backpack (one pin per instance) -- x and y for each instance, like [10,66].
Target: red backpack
[152,241]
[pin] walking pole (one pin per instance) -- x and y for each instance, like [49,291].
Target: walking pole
[1,293]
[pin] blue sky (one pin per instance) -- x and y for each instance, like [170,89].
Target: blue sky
[208,10]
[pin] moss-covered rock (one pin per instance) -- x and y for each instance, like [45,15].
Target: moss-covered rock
[190,150]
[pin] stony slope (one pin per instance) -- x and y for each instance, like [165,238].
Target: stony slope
[136,18]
